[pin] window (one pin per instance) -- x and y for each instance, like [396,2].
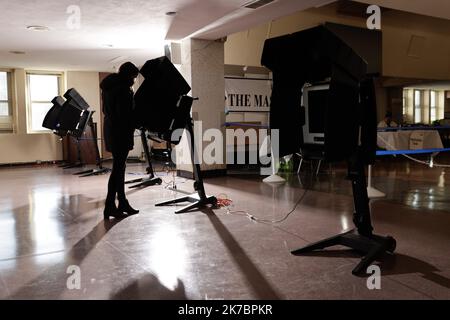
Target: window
[404,103]
[417,106]
[5,102]
[42,88]
[433,106]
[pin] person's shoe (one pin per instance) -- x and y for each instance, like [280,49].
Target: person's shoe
[112,211]
[124,206]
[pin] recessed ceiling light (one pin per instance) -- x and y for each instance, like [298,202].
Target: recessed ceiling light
[108,45]
[257,4]
[38,28]
[17,52]
[171,13]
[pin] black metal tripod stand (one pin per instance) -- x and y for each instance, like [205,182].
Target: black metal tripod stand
[360,239]
[79,162]
[199,199]
[99,169]
[151,180]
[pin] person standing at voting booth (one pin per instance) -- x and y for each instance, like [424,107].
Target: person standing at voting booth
[118,126]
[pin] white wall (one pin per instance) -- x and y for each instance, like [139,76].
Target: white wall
[399,28]
[87,84]
[19,147]
[22,147]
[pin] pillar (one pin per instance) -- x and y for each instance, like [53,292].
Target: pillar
[202,65]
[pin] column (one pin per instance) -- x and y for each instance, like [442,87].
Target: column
[202,65]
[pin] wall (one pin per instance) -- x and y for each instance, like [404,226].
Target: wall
[426,57]
[21,147]
[446,98]
[381,96]
[88,85]
[395,103]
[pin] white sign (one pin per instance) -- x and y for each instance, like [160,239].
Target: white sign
[416,140]
[247,95]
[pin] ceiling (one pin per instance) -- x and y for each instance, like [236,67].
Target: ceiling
[443,85]
[432,8]
[113,31]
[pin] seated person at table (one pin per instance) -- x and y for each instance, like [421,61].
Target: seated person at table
[387,121]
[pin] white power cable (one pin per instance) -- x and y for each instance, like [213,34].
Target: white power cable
[252,217]
[431,163]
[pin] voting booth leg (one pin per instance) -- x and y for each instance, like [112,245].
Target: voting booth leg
[151,180]
[100,169]
[78,163]
[360,239]
[73,165]
[64,164]
[94,172]
[200,199]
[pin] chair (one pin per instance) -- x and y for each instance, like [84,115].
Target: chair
[311,153]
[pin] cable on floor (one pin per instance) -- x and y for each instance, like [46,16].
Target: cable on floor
[226,203]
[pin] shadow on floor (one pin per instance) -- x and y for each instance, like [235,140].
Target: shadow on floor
[46,215]
[51,282]
[257,282]
[402,264]
[396,264]
[150,288]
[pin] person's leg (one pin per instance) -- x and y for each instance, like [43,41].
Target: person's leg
[124,206]
[114,185]
[112,182]
[120,182]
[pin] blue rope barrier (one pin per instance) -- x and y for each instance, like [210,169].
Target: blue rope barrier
[400,152]
[393,129]
[229,124]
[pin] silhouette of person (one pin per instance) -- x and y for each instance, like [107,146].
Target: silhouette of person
[118,126]
[387,122]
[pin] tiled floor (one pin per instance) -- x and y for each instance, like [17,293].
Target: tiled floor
[51,219]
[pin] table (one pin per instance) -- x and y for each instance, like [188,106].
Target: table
[409,140]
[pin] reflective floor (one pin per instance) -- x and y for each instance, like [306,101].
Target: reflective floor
[54,243]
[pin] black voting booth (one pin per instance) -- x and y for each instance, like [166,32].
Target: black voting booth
[313,56]
[151,180]
[71,116]
[52,122]
[163,109]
